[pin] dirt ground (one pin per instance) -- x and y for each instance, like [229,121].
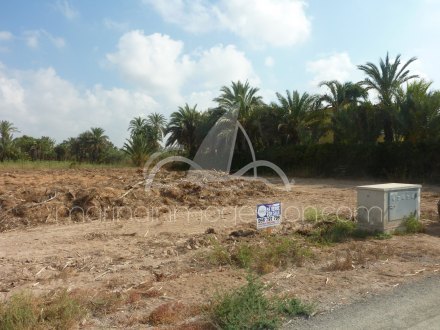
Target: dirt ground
[98,232]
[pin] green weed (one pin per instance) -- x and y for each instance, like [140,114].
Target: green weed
[270,253]
[333,231]
[249,308]
[413,226]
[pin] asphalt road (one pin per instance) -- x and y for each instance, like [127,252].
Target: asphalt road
[411,306]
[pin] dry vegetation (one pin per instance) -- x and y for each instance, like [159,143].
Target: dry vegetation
[183,273]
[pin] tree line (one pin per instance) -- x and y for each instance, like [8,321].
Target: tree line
[90,146]
[390,105]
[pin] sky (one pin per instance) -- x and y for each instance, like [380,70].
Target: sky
[68,65]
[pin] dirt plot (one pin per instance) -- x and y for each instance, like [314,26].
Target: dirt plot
[136,255]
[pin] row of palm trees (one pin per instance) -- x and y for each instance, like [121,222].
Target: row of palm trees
[402,108]
[390,104]
[91,146]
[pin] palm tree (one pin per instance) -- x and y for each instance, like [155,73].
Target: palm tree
[138,148]
[97,143]
[182,128]
[7,131]
[138,126]
[157,124]
[296,110]
[243,98]
[386,80]
[44,148]
[339,98]
[419,115]
[239,97]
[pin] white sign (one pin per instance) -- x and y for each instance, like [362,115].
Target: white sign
[268,215]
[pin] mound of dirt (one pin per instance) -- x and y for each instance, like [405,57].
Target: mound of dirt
[31,198]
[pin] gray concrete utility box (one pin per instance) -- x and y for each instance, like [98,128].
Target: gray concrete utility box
[384,207]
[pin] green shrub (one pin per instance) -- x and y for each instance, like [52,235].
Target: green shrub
[413,226]
[313,215]
[294,307]
[382,236]
[219,256]
[334,231]
[271,252]
[246,308]
[249,308]
[243,256]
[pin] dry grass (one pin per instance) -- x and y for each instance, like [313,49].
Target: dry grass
[359,254]
[341,263]
[196,325]
[56,310]
[172,313]
[264,256]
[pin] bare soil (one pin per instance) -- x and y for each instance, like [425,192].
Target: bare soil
[98,232]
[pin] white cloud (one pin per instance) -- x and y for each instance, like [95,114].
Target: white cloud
[58,42]
[154,62]
[220,65]
[192,15]
[272,22]
[33,38]
[39,102]
[269,61]
[159,65]
[5,35]
[262,22]
[114,25]
[11,93]
[66,9]
[333,67]
[203,100]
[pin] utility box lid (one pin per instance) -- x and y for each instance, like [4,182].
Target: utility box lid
[390,186]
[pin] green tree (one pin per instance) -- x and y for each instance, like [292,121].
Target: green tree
[138,148]
[97,144]
[339,98]
[138,126]
[26,145]
[44,148]
[297,114]
[90,145]
[156,124]
[387,79]
[182,128]
[62,151]
[419,115]
[7,146]
[358,124]
[244,99]
[239,97]
[268,119]
[146,134]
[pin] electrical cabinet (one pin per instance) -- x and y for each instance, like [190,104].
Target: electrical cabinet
[384,207]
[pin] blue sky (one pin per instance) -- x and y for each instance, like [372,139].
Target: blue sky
[68,65]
